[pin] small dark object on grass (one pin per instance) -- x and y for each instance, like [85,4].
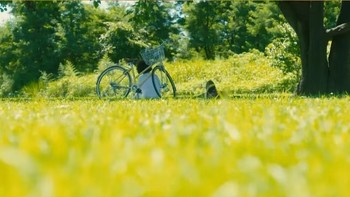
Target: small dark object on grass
[211,91]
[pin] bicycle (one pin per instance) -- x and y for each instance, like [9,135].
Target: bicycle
[117,81]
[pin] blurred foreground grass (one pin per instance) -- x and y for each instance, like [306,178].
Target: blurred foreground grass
[280,146]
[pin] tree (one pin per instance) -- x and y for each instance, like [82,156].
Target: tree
[220,28]
[237,29]
[34,48]
[204,24]
[45,34]
[152,19]
[321,73]
[80,29]
[120,40]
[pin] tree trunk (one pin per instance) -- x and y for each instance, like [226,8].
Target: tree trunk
[339,58]
[316,76]
[306,18]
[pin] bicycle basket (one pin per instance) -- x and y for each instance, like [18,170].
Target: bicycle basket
[153,55]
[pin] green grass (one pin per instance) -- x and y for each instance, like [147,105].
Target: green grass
[251,146]
[58,139]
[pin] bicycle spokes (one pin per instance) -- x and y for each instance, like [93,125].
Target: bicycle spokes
[114,82]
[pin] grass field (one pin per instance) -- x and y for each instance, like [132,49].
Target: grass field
[58,140]
[253,146]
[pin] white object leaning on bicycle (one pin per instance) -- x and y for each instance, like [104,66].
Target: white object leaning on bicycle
[146,88]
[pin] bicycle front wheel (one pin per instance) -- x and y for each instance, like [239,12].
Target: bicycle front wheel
[113,83]
[163,83]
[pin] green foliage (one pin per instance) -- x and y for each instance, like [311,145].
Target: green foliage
[78,30]
[96,3]
[220,28]
[104,63]
[240,74]
[284,52]
[152,20]
[6,82]
[3,5]
[67,70]
[69,84]
[6,48]
[36,89]
[332,10]
[44,35]
[121,41]
[34,48]
[265,23]
[203,26]
[81,27]
[72,87]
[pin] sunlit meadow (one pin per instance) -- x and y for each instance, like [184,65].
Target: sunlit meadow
[275,146]
[58,139]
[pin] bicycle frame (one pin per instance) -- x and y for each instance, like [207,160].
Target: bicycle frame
[134,76]
[110,83]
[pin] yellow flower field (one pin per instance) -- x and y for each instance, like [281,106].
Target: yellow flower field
[263,146]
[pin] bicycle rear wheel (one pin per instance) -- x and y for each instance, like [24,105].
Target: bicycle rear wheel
[114,83]
[163,83]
